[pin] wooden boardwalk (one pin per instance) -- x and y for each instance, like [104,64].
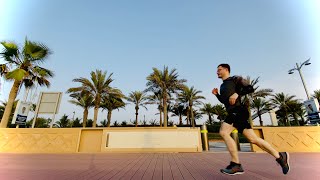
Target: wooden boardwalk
[149,166]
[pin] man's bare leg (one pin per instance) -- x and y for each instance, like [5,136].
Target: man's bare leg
[253,138]
[225,131]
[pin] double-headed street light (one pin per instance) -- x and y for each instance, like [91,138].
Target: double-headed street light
[298,68]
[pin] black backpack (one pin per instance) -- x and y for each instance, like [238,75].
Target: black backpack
[242,89]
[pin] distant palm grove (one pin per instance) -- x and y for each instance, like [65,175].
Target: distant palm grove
[164,89]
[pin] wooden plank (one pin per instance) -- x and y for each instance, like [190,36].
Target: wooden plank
[131,172]
[141,171]
[191,168]
[166,169]
[157,174]
[150,169]
[184,171]
[126,169]
[176,174]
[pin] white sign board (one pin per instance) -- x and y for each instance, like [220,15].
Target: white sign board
[312,107]
[21,113]
[48,103]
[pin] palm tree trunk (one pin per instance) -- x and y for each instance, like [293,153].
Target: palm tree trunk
[260,120]
[160,118]
[8,108]
[296,119]
[95,116]
[188,117]
[165,112]
[109,118]
[210,119]
[85,117]
[137,109]
[180,119]
[192,118]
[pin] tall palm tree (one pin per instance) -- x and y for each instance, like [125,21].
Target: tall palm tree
[22,66]
[112,102]
[220,111]
[84,100]
[98,86]
[191,97]
[166,81]
[281,101]
[208,110]
[259,105]
[139,99]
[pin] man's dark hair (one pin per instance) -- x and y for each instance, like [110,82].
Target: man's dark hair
[225,66]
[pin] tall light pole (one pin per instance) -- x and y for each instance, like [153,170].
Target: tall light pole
[298,68]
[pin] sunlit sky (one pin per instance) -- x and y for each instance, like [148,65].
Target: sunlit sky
[128,38]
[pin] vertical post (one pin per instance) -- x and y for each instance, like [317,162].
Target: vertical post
[37,110]
[235,137]
[304,84]
[55,110]
[204,137]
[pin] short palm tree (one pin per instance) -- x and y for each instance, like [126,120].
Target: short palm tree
[139,99]
[191,97]
[282,101]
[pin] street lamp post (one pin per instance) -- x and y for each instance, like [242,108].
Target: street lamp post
[298,68]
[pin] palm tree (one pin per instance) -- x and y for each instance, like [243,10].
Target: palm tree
[104,123]
[258,93]
[281,101]
[63,122]
[76,123]
[166,81]
[197,115]
[139,99]
[208,110]
[156,98]
[301,112]
[294,107]
[40,123]
[220,111]
[22,67]
[317,95]
[84,100]
[179,109]
[191,97]
[98,86]
[259,105]
[112,102]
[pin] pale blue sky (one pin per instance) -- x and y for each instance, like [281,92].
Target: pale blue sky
[128,38]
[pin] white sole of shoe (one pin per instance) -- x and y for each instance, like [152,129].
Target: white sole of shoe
[237,173]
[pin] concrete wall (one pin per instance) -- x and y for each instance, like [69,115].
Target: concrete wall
[92,140]
[291,139]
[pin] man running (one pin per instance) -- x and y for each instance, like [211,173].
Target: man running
[237,118]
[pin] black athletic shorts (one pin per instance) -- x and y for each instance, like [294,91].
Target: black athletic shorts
[239,118]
